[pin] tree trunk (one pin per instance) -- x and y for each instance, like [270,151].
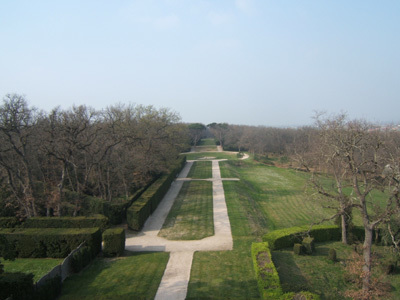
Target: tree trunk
[344,229]
[367,258]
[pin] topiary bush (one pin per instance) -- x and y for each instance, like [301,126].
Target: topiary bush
[309,246]
[114,242]
[298,249]
[332,255]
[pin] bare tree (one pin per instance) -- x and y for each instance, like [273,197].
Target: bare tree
[366,161]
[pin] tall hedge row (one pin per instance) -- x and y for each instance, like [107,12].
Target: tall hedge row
[287,237]
[99,221]
[147,203]
[50,242]
[9,222]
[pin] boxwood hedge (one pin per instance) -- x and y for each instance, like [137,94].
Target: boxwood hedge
[113,242]
[147,203]
[50,242]
[99,221]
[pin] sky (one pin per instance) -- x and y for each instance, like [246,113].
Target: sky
[249,62]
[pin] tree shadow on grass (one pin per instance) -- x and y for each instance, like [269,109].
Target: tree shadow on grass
[290,275]
[225,289]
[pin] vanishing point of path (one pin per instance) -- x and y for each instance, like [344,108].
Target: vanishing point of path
[177,273]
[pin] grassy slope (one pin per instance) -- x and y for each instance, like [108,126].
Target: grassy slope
[136,276]
[191,216]
[37,266]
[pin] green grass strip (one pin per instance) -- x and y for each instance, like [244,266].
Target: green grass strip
[191,216]
[207,142]
[133,277]
[211,155]
[201,170]
[37,266]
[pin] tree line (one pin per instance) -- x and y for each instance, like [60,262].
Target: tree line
[106,153]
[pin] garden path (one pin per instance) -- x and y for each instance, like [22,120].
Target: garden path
[177,273]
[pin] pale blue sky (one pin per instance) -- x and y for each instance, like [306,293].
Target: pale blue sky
[253,62]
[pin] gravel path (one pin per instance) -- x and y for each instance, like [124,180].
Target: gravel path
[177,273]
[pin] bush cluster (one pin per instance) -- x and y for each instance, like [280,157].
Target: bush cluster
[99,221]
[147,203]
[50,242]
[113,242]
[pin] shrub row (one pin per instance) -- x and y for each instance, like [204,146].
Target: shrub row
[147,203]
[9,222]
[113,242]
[50,242]
[287,237]
[99,221]
[268,278]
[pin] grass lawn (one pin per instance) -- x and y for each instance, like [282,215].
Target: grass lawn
[207,142]
[228,274]
[213,155]
[276,194]
[201,170]
[191,216]
[135,276]
[318,274]
[37,266]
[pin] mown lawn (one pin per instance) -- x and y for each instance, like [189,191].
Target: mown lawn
[191,216]
[318,274]
[37,266]
[211,155]
[276,193]
[207,142]
[201,170]
[135,276]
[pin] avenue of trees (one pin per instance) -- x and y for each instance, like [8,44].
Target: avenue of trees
[108,154]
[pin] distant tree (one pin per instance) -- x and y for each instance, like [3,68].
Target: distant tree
[196,131]
[219,130]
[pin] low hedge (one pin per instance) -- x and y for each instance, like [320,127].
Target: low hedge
[99,221]
[147,203]
[50,242]
[268,277]
[114,242]
[50,289]
[285,238]
[18,285]
[266,273]
[9,222]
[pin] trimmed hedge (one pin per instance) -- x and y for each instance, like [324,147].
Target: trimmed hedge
[268,278]
[285,238]
[81,259]
[18,285]
[141,209]
[9,222]
[99,221]
[266,273]
[50,242]
[50,289]
[114,242]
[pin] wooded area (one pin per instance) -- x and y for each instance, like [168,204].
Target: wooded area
[108,154]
